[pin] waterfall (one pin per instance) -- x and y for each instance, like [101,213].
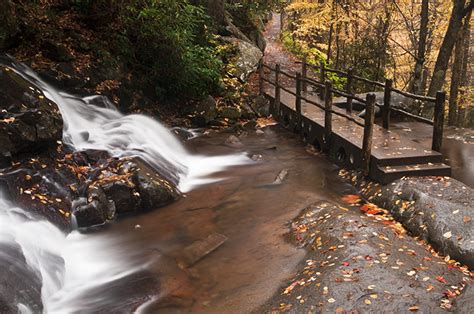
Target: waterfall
[71,268]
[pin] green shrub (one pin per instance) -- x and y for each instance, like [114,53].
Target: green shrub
[170,43]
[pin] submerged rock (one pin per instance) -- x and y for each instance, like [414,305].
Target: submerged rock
[28,119]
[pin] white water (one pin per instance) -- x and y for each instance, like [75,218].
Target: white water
[94,123]
[72,266]
[69,265]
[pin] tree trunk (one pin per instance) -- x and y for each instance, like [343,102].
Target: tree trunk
[420,56]
[455,80]
[442,62]
[465,80]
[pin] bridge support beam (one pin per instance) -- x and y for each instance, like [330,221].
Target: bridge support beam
[277,91]
[368,133]
[349,88]
[438,123]
[298,102]
[327,112]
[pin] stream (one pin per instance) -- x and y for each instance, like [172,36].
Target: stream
[133,264]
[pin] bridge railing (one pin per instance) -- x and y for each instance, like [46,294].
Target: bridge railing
[328,91]
[386,108]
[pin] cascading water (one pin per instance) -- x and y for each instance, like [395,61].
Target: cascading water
[94,123]
[69,268]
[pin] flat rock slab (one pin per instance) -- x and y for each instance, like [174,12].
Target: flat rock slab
[440,210]
[356,263]
[200,249]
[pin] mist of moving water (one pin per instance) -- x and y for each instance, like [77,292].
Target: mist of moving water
[74,268]
[94,123]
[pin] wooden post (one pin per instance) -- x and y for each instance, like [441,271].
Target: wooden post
[322,78]
[350,80]
[298,102]
[387,98]
[327,112]
[438,123]
[261,73]
[368,132]
[277,90]
[304,73]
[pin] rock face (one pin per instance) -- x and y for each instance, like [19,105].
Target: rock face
[206,111]
[437,209]
[248,58]
[27,118]
[356,264]
[261,105]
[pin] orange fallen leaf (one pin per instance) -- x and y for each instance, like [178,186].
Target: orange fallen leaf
[441,279]
[351,198]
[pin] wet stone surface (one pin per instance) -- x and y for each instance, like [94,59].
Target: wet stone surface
[437,209]
[28,120]
[90,185]
[364,263]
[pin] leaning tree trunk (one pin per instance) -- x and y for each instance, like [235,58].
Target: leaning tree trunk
[455,80]
[465,74]
[416,86]
[442,62]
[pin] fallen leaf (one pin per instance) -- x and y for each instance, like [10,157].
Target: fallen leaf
[441,279]
[448,235]
[367,301]
[414,308]
[467,219]
[331,300]
[351,199]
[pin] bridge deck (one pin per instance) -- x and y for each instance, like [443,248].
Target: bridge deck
[393,155]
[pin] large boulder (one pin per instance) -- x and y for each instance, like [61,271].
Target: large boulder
[27,118]
[247,60]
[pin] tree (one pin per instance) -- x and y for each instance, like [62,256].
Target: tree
[460,10]
[460,58]
[416,86]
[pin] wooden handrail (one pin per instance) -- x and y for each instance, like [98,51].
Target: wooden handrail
[350,96]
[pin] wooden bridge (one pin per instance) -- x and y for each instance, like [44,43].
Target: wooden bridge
[325,118]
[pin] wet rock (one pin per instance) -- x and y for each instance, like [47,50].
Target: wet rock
[465,304]
[248,58]
[257,37]
[260,132]
[97,210]
[280,177]
[123,194]
[56,51]
[251,125]
[234,142]
[235,31]
[230,112]
[205,112]
[437,209]
[154,190]
[27,119]
[261,105]
[19,283]
[355,263]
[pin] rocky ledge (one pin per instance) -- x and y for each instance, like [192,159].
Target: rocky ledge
[48,178]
